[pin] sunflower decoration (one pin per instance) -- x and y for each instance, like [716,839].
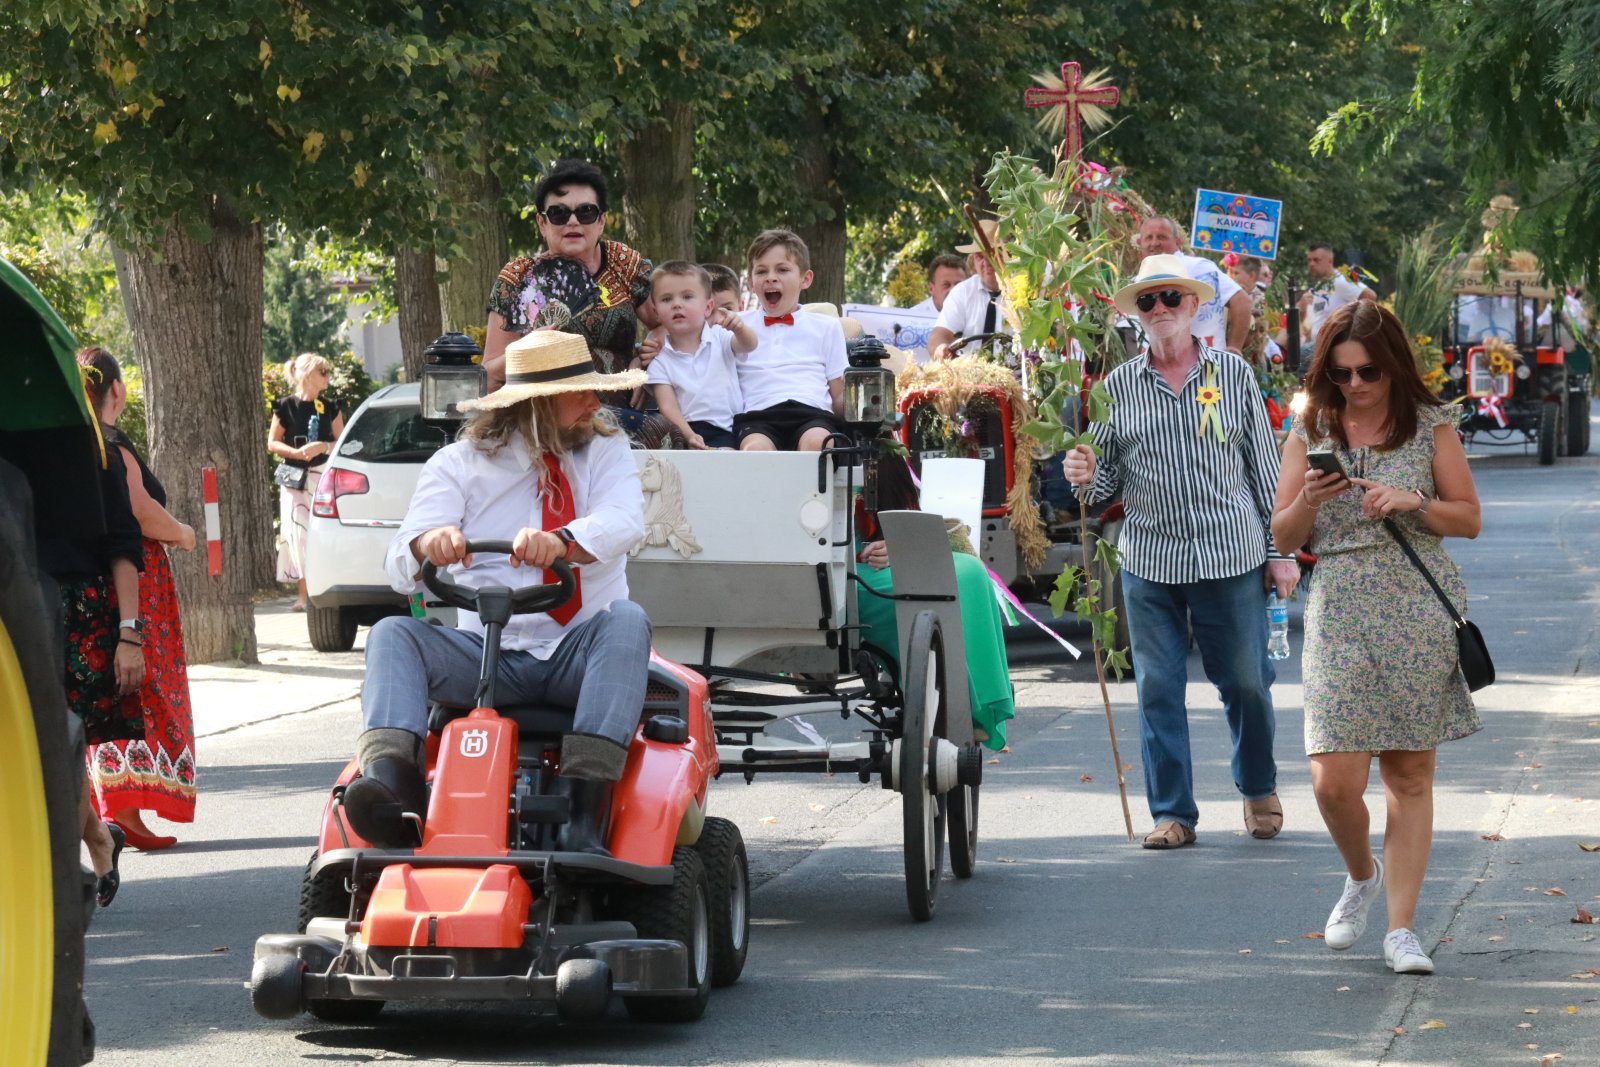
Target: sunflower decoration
[1208,395]
[1502,357]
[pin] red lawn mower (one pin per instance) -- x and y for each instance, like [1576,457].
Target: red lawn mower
[488,907]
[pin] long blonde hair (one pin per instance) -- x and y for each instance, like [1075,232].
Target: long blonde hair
[491,430]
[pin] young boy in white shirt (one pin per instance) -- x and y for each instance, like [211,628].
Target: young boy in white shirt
[693,376]
[793,383]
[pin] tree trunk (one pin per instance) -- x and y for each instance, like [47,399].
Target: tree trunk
[421,317]
[825,235]
[658,169]
[194,310]
[484,245]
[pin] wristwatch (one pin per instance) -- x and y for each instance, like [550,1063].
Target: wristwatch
[136,625]
[1425,502]
[566,536]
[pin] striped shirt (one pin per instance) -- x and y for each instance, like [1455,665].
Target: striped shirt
[1197,508]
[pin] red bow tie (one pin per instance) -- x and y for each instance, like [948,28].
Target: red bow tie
[780,320]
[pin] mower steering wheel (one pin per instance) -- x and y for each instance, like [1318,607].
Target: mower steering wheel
[526,601]
[962,342]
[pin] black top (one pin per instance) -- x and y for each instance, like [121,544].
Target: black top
[152,484]
[87,552]
[295,416]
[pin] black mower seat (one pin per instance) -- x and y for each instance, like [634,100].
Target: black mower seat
[533,720]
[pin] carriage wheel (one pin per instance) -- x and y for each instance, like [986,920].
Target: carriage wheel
[963,814]
[923,810]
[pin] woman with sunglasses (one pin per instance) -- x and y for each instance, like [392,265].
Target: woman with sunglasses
[1189,447]
[571,203]
[1379,665]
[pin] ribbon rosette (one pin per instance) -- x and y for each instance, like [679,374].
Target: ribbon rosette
[1492,407]
[1207,396]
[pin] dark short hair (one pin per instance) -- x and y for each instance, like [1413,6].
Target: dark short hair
[946,259]
[102,369]
[767,240]
[569,172]
[1315,245]
[682,268]
[1381,334]
[724,279]
[1249,263]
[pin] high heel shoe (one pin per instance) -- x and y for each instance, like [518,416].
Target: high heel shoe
[144,842]
[105,890]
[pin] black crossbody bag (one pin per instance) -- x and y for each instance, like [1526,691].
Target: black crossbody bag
[1476,666]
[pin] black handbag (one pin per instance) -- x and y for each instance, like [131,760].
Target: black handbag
[1476,666]
[290,477]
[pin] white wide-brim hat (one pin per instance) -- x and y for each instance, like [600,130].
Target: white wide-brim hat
[547,362]
[1161,272]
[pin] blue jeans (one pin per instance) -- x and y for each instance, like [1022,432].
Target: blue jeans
[1228,617]
[599,669]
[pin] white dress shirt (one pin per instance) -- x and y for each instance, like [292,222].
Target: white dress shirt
[966,306]
[705,381]
[1210,322]
[926,305]
[1329,296]
[792,362]
[494,496]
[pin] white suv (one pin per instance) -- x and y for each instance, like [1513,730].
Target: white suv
[363,496]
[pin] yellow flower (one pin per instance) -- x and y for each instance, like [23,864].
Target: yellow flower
[1208,394]
[1017,289]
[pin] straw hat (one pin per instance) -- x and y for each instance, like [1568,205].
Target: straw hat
[991,230]
[547,362]
[1161,272]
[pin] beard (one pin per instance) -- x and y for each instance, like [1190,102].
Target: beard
[578,434]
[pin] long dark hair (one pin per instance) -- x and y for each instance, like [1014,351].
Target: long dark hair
[102,370]
[1381,334]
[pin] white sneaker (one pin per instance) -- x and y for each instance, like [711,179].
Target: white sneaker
[1404,955]
[1348,920]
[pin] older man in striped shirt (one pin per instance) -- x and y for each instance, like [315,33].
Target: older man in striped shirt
[1189,446]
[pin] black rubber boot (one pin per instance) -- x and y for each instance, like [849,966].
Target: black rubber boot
[390,787]
[590,819]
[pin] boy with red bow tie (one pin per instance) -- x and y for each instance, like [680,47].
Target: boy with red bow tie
[539,465]
[793,383]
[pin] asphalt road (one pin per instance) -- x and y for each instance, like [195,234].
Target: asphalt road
[1070,946]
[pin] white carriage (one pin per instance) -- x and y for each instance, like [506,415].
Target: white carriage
[747,572]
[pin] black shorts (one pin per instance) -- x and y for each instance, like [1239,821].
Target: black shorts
[784,424]
[713,435]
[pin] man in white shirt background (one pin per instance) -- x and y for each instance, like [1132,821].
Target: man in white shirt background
[536,467]
[944,274]
[1224,320]
[1329,291]
[973,306]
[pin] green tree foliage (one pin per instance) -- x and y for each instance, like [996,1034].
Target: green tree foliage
[1515,87]
[299,315]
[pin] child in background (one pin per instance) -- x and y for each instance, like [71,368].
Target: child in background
[724,287]
[693,376]
[793,383]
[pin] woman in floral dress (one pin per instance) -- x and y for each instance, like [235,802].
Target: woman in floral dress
[1380,666]
[155,771]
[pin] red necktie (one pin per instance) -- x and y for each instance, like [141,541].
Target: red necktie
[780,320]
[559,510]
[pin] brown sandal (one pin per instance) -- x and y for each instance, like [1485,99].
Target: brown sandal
[1169,834]
[1264,817]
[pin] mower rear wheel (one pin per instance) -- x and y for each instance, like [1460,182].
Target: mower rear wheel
[1577,424]
[1549,415]
[922,810]
[679,912]
[323,894]
[721,848]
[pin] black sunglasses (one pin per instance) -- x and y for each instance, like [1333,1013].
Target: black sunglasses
[1369,372]
[560,214]
[1147,301]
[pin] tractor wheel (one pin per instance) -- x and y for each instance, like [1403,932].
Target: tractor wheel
[1549,415]
[321,895]
[1577,424]
[46,895]
[721,849]
[679,912]
[331,629]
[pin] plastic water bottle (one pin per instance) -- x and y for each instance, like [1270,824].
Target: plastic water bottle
[314,428]
[1277,628]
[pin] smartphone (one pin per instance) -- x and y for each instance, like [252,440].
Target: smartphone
[1327,463]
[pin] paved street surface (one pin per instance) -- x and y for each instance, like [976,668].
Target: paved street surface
[1070,946]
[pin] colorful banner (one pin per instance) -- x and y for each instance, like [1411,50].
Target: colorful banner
[1233,222]
[905,328]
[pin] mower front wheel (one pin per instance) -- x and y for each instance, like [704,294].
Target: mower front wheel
[323,894]
[721,849]
[679,912]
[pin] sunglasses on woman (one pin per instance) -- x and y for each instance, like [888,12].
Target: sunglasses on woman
[1370,372]
[559,214]
[1147,301]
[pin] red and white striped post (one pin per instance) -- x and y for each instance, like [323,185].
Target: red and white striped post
[208,477]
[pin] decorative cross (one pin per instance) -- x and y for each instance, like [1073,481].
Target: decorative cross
[1072,98]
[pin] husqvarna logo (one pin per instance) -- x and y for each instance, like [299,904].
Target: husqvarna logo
[474,742]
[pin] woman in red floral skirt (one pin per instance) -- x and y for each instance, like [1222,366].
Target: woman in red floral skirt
[155,773]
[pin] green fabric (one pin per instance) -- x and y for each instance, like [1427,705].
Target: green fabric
[39,384]
[988,678]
